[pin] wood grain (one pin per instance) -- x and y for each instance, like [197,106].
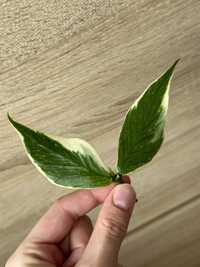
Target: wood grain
[73,68]
[171,241]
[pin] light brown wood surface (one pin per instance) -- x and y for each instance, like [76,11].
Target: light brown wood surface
[73,68]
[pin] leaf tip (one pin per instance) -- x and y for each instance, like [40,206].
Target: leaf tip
[9,117]
[12,122]
[169,73]
[176,62]
[171,69]
[16,125]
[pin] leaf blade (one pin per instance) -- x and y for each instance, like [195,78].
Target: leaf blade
[142,132]
[58,160]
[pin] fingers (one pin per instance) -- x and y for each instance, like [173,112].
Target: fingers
[111,227]
[74,258]
[79,237]
[61,216]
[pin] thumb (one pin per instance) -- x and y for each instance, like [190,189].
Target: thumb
[110,228]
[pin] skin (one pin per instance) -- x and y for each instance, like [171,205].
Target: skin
[64,236]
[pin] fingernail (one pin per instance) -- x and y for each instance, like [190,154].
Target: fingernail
[124,196]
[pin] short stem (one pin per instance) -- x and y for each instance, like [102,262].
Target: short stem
[118,178]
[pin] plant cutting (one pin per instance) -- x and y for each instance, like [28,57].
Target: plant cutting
[74,163]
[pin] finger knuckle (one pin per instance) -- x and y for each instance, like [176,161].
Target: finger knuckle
[114,227]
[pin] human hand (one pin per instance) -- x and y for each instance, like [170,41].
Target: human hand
[64,236]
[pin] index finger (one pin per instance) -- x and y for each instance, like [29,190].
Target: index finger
[60,217]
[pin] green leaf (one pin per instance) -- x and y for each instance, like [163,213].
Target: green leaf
[71,162]
[143,129]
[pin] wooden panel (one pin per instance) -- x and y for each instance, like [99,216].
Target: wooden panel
[171,241]
[73,68]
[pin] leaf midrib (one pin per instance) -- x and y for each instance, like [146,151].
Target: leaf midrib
[84,168]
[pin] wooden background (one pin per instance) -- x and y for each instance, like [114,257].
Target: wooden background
[73,68]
